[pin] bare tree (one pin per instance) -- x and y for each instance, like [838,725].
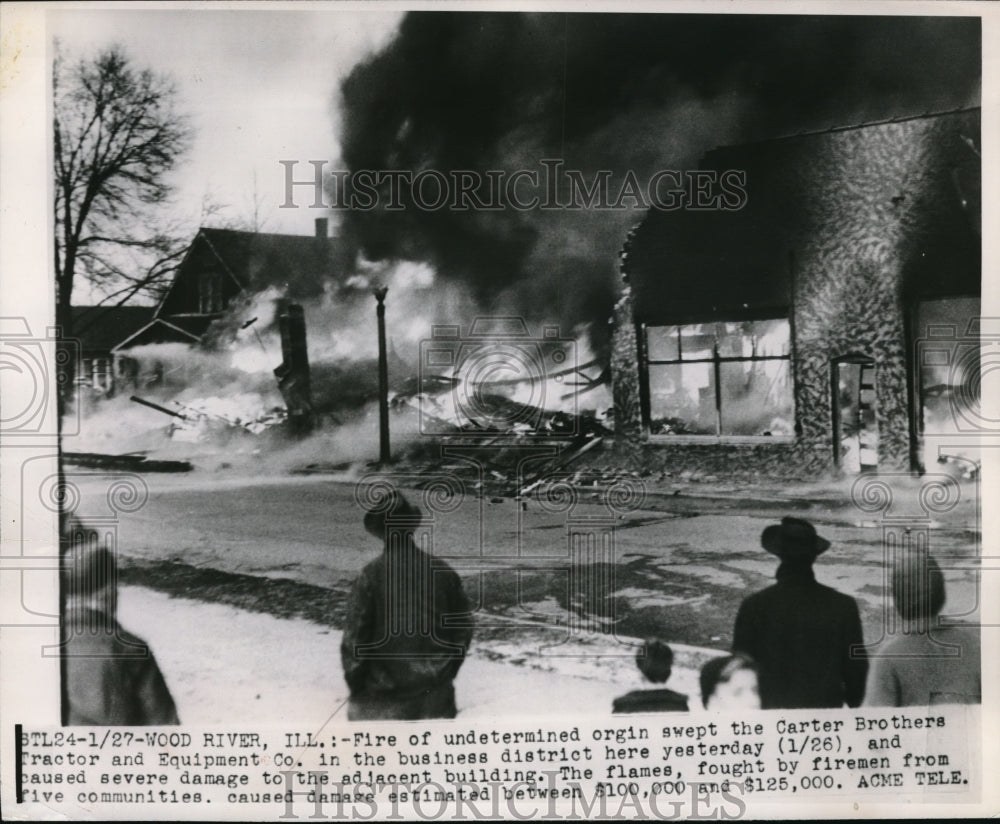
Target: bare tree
[246,217]
[117,135]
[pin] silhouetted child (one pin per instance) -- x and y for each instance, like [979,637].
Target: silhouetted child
[926,663]
[729,683]
[655,660]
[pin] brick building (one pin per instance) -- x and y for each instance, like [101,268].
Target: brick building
[827,325]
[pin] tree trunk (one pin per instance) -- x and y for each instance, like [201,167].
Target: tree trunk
[67,352]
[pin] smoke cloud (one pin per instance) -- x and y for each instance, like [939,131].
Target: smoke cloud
[504,91]
[625,93]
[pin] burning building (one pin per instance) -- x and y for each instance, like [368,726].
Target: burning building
[235,295]
[789,336]
[222,264]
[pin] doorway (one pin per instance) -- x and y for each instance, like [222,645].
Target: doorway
[855,430]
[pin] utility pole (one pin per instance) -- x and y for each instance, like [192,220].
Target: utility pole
[383,378]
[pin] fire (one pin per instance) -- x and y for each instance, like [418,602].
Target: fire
[228,383]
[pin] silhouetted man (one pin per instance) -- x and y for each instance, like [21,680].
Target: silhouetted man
[799,632]
[407,626]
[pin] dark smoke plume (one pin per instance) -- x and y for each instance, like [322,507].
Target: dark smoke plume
[620,92]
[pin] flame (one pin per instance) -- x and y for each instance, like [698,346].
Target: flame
[228,384]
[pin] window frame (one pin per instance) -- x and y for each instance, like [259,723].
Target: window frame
[210,293]
[716,360]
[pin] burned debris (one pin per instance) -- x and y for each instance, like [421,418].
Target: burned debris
[190,418]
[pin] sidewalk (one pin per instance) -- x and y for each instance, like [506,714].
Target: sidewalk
[229,666]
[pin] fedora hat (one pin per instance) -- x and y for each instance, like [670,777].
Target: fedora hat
[793,538]
[399,511]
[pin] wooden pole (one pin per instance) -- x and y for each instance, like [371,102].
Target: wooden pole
[383,379]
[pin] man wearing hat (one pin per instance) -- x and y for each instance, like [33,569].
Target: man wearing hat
[111,677]
[407,628]
[805,637]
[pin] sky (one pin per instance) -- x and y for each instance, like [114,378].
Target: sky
[618,93]
[259,85]
[501,91]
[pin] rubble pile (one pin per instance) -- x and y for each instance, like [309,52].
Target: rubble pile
[201,418]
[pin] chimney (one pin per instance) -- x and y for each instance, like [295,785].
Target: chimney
[322,230]
[293,372]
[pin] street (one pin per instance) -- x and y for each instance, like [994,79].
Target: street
[676,568]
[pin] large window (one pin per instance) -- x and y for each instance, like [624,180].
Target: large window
[721,378]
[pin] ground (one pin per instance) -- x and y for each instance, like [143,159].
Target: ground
[238,583]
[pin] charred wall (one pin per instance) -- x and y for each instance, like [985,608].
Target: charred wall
[845,231]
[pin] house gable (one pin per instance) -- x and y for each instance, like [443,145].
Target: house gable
[187,294]
[221,264]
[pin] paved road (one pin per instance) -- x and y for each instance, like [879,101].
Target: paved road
[675,568]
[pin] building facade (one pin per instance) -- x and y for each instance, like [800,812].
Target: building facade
[97,330]
[827,324]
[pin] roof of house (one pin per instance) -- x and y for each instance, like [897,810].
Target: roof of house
[167,330]
[300,265]
[262,258]
[258,259]
[100,328]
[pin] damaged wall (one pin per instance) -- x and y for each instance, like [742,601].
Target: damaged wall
[625,369]
[844,232]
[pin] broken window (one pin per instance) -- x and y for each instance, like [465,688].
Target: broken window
[83,377]
[96,373]
[720,378]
